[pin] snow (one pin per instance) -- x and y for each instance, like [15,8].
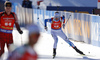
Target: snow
[44,48]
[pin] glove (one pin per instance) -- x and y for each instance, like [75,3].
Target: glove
[46,28]
[21,32]
[63,26]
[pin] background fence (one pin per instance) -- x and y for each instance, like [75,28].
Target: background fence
[80,27]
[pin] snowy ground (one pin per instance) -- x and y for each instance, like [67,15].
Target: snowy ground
[44,48]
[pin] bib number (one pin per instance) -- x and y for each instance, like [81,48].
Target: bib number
[56,26]
[7,24]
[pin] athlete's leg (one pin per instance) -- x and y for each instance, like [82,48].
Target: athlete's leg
[55,39]
[64,37]
[2,45]
[55,42]
[9,40]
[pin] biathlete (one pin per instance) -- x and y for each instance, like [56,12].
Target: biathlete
[56,25]
[7,21]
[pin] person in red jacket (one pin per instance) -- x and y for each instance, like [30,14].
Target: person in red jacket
[26,51]
[7,21]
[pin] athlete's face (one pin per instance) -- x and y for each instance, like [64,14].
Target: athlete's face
[33,38]
[57,16]
[8,9]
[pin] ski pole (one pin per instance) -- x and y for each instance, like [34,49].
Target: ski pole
[68,19]
[42,23]
[21,40]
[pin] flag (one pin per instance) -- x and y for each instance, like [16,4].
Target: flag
[38,2]
[98,4]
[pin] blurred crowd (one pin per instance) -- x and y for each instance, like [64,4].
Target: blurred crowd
[27,4]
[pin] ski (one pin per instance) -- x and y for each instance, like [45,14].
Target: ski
[86,55]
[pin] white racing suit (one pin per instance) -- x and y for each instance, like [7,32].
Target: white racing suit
[61,34]
[58,32]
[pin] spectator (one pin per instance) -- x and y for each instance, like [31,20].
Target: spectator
[26,52]
[7,21]
[27,4]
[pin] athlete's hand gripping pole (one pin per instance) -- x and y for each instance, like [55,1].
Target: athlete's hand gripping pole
[44,26]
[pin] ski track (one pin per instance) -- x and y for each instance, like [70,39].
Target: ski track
[44,48]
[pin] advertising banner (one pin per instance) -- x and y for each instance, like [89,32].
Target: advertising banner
[95,30]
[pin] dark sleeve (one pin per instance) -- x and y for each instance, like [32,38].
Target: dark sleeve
[0,15]
[16,23]
[63,19]
[0,18]
[23,4]
[47,20]
[30,4]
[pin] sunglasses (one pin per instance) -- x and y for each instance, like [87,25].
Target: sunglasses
[57,17]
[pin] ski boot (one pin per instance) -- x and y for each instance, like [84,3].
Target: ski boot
[54,53]
[78,51]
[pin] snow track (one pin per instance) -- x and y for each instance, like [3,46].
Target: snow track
[44,48]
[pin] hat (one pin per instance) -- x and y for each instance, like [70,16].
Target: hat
[8,4]
[32,28]
[57,15]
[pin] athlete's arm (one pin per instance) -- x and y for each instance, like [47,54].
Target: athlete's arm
[63,19]
[47,20]
[0,16]
[17,25]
